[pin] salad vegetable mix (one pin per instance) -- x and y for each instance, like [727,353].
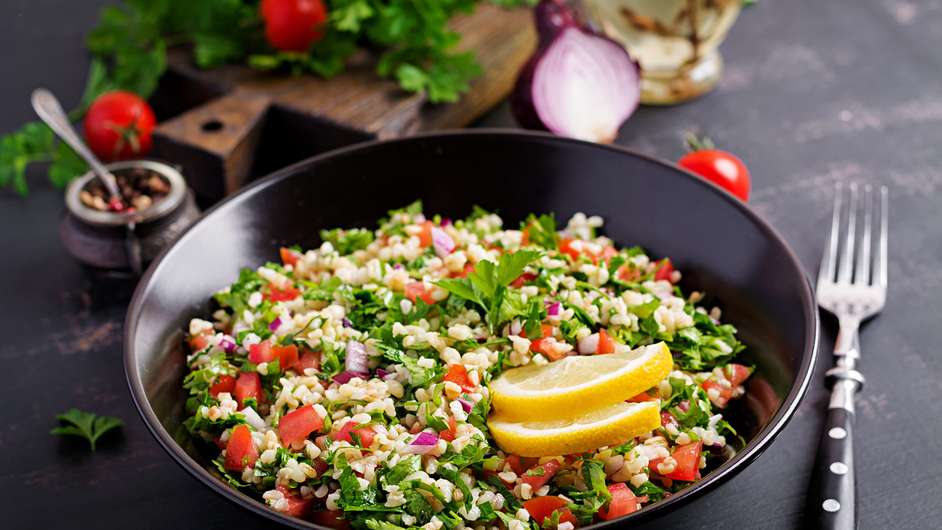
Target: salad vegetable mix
[381,380]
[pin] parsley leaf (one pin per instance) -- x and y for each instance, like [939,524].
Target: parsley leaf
[85,425]
[348,241]
[542,230]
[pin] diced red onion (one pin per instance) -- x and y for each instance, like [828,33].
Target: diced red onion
[443,243]
[466,405]
[581,85]
[589,344]
[446,221]
[516,327]
[553,309]
[346,322]
[227,344]
[397,266]
[380,373]
[252,418]
[275,324]
[684,405]
[424,443]
[356,359]
[347,375]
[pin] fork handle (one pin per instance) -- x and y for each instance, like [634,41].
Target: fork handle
[832,501]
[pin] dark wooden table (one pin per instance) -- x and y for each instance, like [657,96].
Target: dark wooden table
[815,93]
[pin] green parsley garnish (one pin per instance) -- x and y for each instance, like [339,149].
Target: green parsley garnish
[85,425]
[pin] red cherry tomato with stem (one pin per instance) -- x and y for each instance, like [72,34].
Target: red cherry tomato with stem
[118,126]
[719,167]
[293,25]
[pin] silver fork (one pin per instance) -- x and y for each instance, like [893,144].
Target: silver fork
[851,286]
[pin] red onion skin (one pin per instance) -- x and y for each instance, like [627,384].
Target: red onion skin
[551,16]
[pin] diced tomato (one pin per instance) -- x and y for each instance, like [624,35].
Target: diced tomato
[515,464]
[458,375]
[688,462]
[566,516]
[296,425]
[297,505]
[289,256]
[623,502]
[737,373]
[223,383]
[525,238]
[538,476]
[417,290]
[240,453]
[449,434]
[664,270]
[248,385]
[565,246]
[722,392]
[606,344]
[523,279]
[642,397]
[425,236]
[287,355]
[275,294]
[309,359]
[261,352]
[365,434]
[627,273]
[607,254]
[201,341]
[468,269]
[540,508]
[330,518]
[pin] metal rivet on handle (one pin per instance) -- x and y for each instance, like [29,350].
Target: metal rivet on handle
[838,468]
[831,505]
[837,433]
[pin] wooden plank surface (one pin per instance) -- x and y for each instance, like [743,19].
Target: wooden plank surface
[217,139]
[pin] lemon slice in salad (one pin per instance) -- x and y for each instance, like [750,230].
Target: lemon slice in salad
[578,384]
[610,425]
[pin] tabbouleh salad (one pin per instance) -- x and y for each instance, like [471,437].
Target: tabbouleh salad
[348,385]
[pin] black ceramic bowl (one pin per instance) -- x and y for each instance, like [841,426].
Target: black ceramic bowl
[721,246]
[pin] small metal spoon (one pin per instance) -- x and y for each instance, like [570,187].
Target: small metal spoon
[50,111]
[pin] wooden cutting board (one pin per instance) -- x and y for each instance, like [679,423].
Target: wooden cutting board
[262,121]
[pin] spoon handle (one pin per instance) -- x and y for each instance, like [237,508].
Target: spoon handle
[50,111]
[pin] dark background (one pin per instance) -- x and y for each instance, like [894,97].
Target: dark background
[814,93]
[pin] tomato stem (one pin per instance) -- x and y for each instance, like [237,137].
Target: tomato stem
[698,143]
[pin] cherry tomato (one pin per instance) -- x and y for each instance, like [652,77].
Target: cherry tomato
[119,125]
[293,25]
[721,168]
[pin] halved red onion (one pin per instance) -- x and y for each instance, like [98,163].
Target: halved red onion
[589,344]
[275,324]
[356,359]
[443,243]
[581,85]
[347,375]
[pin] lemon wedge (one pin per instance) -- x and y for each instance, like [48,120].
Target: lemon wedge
[610,425]
[577,385]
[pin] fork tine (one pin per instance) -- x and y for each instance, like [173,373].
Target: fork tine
[862,272]
[846,265]
[880,271]
[829,259]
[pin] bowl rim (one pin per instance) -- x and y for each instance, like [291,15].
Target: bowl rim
[753,448]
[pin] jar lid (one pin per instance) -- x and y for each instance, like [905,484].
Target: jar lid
[159,209]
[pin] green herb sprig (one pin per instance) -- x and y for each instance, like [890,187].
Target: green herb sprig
[85,425]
